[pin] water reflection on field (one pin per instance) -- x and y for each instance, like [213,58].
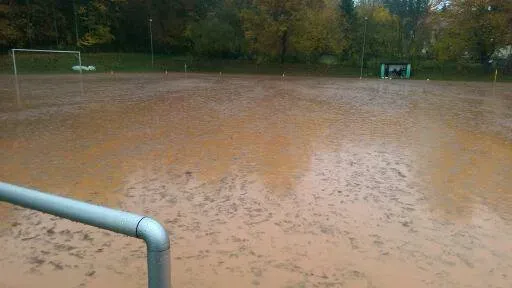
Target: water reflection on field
[301,182]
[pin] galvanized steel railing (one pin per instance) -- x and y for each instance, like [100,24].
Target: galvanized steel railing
[155,236]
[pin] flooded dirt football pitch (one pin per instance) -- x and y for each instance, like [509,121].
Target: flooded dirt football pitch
[262,181]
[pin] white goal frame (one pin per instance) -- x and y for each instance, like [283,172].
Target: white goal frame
[13,54]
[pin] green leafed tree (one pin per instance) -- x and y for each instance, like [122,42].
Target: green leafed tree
[347,8]
[8,34]
[219,34]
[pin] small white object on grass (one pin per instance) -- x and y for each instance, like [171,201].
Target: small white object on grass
[428,79]
[84,68]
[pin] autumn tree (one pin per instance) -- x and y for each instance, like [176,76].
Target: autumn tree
[267,30]
[477,38]
[318,30]
[96,19]
[382,39]
[268,26]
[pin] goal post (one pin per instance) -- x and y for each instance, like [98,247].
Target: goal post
[13,54]
[16,66]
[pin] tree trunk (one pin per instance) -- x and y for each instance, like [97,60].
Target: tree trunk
[484,56]
[284,42]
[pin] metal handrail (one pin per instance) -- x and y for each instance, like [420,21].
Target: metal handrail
[154,234]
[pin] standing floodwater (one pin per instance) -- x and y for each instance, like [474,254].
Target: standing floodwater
[263,181]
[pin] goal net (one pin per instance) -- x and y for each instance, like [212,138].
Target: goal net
[46,77]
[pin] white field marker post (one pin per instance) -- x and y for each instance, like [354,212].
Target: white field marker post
[285,84]
[494,83]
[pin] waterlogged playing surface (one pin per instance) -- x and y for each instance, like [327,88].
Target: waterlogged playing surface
[262,181]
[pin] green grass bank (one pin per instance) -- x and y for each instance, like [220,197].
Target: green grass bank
[129,62]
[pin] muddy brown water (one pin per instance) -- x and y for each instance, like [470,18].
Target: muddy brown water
[262,181]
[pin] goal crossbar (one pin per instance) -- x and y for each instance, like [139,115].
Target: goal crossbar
[42,51]
[49,51]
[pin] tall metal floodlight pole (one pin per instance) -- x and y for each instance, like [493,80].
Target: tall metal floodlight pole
[151,37]
[364,43]
[76,26]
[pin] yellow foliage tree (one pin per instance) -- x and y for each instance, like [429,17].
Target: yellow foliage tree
[319,31]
